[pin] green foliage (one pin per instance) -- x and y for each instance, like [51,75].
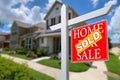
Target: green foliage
[44,51]
[11,52]
[74,67]
[22,56]
[11,71]
[21,50]
[41,52]
[31,54]
[113,64]
[5,49]
[109,42]
[54,57]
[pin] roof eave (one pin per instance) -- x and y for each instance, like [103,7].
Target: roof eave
[52,8]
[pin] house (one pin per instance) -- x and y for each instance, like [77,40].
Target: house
[116,45]
[23,34]
[52,39]
[4,40]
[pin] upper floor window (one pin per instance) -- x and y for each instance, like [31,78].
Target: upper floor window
[14,32]
[59,19]
[57,8]
[56,20]
[47,24]
[52,21]
[69,15]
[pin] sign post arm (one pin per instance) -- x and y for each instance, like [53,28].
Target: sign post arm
[94,14]
[64,45]
[91,15]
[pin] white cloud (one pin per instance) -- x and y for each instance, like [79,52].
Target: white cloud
[109,28]
[115,24]
[9,13]
[5,31]
[50,3]
[115,20]
[115,38]
[9,25]
[114,2]
[95,2]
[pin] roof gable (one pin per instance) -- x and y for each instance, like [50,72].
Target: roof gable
[50,10]
[20,24]
[55,5]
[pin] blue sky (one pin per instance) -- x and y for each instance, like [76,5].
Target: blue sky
[33,11]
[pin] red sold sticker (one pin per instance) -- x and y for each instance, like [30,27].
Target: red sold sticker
[90,42]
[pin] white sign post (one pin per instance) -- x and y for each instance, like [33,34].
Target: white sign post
[64,33]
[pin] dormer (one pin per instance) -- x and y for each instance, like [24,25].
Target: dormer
[53,16]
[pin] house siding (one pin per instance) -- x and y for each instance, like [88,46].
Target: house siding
[4,40]
[21,31]
[54,17]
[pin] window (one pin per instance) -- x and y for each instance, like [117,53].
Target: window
[69,15]
[52,21]
[14,31]
[28,43]
[59,19]
[42,40]
[56,44]
[47,24]
[57,8]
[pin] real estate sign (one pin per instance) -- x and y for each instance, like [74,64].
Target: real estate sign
[90,42]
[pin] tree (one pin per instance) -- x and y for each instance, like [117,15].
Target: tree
[109,42]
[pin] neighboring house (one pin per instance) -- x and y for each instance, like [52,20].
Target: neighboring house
[23,35]
[4,40]
[52,39]
[116,45]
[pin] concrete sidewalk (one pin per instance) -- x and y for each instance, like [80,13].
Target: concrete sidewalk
[41,58]
[96,73]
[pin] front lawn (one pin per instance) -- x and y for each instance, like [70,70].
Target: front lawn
[74,67]
[21,56]
[18,55]
[10,70]
[113,65]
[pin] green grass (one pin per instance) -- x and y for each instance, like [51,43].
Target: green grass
[113,65]
[8,65]
[74,67]
[110,78]
[40,76]
[21,56]
[18,55]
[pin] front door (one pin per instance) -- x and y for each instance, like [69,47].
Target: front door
[56,44]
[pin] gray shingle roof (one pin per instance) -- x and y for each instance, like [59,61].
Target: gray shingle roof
[22,24]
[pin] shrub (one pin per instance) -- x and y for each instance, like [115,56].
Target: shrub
[21,50]
[42,52]
[54,57]
[31,54]
[39,53]
[6,49]
[109,42]
[12,71]
[11,52]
